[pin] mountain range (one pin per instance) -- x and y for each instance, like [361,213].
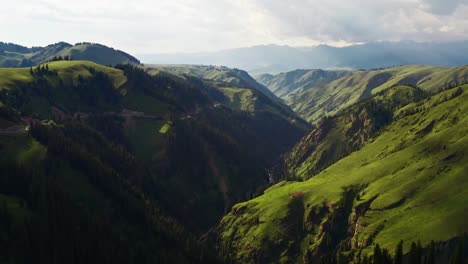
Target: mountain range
[106,160]
[388,169]
[314,94]
[276,59]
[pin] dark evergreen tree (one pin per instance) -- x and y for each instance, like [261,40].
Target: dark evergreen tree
[457,256]
[365,260]
[386,258]
[415,253]
[328,259]
[377,257]
[358,259]
[430,257]
[342,259]
[399,253]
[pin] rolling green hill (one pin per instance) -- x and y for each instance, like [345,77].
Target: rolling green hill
[97,53]
[405,181]
[285,83]
[152,161]
[234,89]
[320,96]
[218,75]
[12,55]
[69,71]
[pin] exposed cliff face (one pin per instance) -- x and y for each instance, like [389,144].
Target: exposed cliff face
[308,232]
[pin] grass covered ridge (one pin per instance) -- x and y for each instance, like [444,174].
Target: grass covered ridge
[68,71]
[407,183]
[314,94]
[12,55]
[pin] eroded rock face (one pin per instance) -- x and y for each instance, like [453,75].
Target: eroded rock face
[337,136]
[308,233]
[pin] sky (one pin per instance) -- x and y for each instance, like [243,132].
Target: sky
[166,26]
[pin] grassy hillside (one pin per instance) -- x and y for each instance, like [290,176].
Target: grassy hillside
[251,125]
[234,89]
[285,83]
[63,86]
[217,74]
[69,190]
[175,148]
[336,137]
[97,53]
[12,55]
[327,96]
[69,71]
[407,183]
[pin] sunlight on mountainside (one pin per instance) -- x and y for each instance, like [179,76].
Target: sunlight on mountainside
[237,132]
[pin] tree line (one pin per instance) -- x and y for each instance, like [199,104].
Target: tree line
[450,252]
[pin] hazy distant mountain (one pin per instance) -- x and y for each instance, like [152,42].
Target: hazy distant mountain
[275,59]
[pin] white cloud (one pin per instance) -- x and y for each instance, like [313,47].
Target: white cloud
[144,26]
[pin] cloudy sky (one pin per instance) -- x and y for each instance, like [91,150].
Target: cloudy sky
[147,26]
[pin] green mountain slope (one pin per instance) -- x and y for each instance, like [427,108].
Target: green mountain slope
[68,193]
[235,147]
[317,99]
[12,55]
[285,83]
[68,71]
[336,137]
[218,74]
[97,53]
[408,182]
[175,152]
[235,89]
[71,191]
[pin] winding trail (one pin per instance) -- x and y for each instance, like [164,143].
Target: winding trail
[126,113]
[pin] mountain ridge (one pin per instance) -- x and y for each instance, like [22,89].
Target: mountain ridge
[276,59]
[155,117]
[13,55]
[206,164]
[320,97]
[391,189]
